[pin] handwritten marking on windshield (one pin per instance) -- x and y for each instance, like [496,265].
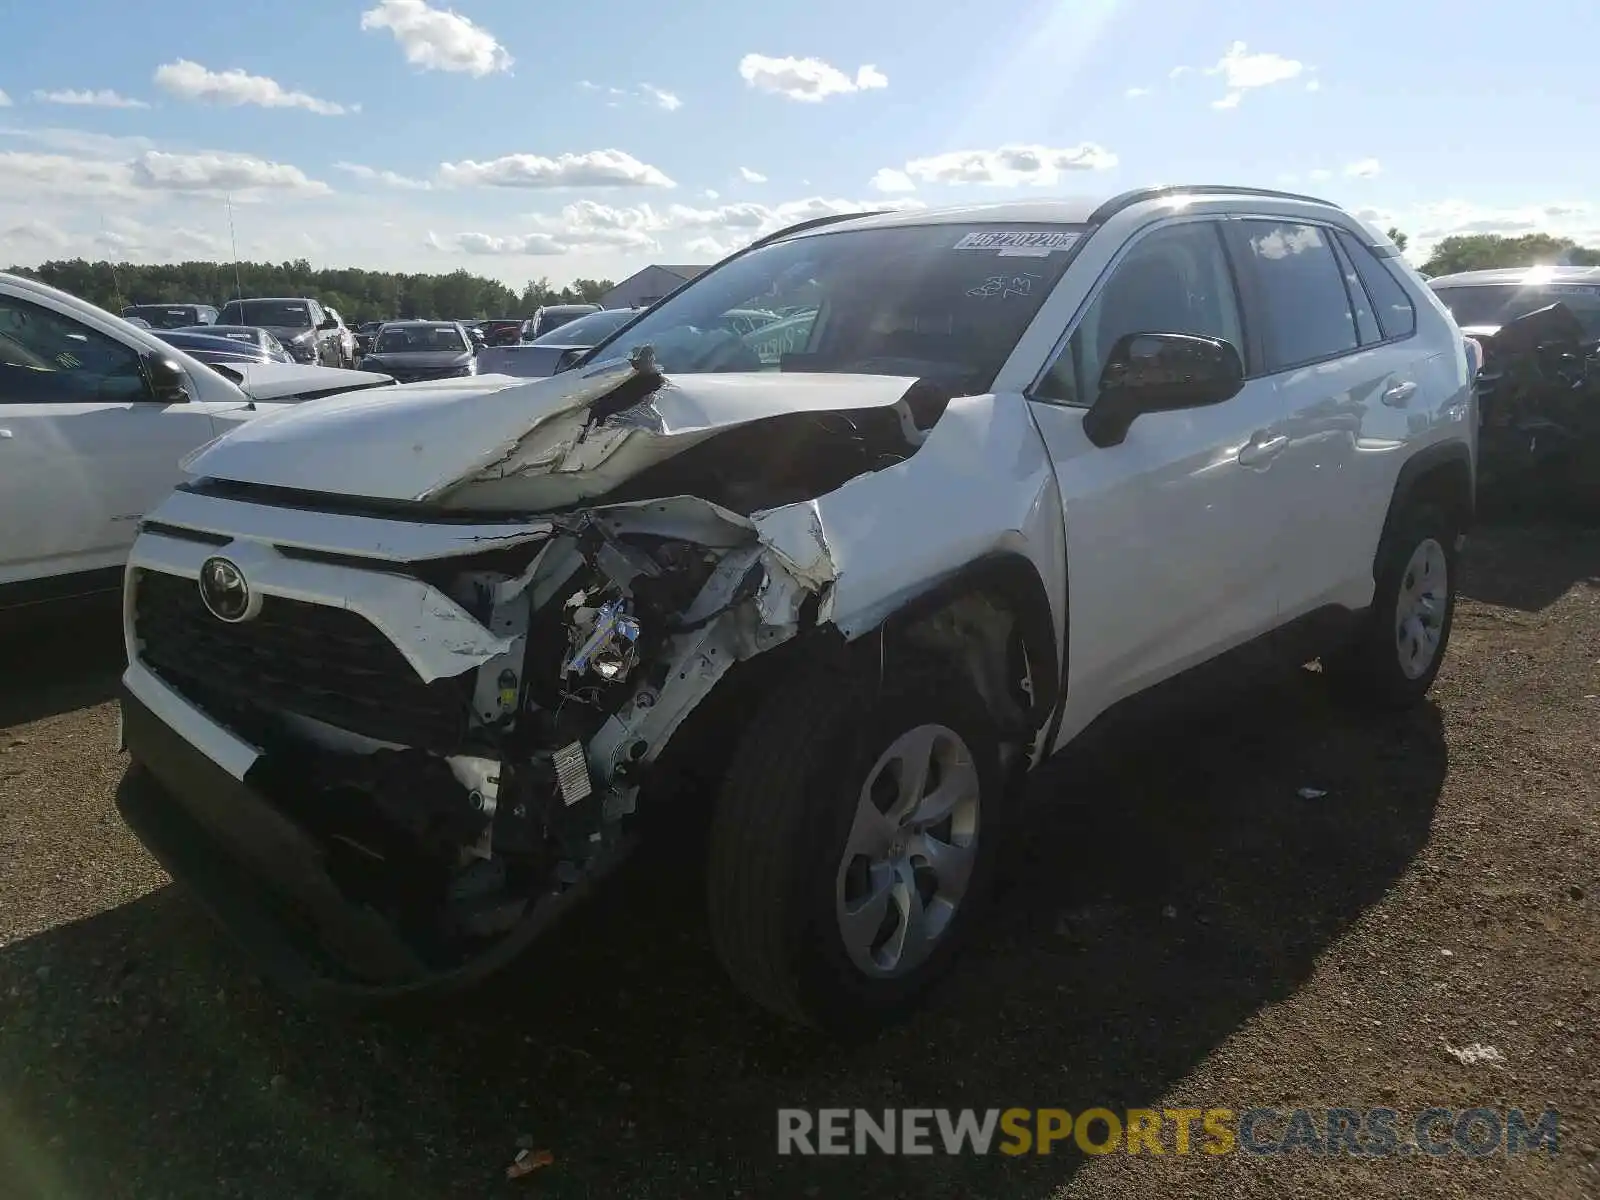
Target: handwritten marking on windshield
[1004,285]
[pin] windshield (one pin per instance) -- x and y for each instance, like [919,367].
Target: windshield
[284,314]
[162,317]
[586,331]
[1497,304]
[420,339]
[946,302]
[554,318]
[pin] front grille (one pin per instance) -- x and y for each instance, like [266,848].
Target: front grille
[329,664]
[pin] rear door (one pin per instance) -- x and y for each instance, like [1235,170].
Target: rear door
[84,450]
[1344,388]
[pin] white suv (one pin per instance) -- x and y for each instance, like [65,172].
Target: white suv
[95,414]
[406,671]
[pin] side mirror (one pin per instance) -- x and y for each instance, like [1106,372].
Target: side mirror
[168,382]
[329,323]
[1160,372]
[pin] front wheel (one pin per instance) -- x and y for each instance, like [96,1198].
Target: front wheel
[853,843]
[1401,645]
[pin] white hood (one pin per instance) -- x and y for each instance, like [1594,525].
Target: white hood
[287,381]
[528,442]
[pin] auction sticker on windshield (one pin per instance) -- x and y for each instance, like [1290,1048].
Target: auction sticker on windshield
[1025,243]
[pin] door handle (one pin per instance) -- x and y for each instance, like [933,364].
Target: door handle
[1396,394]
[1259,451]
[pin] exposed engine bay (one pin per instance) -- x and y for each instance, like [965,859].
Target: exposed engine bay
[1539,401]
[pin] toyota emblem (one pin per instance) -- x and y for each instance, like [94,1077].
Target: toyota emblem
[224,591]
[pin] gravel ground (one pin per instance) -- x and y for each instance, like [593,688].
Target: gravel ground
[1182,928]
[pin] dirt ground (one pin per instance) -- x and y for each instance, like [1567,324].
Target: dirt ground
[1181,927]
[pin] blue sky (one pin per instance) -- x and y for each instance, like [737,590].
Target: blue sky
[522,138]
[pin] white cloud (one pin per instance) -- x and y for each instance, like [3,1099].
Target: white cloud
[597,168]
[590,226]
[387,178]
[712,194]
[219,173]
[1134,93]
[1366,168]
[36,233]
[1009,166]
[806,79]
[1319,174]
[888,179]
[1179,72]
[103,98]
[5,100]
[438,39]
[1242,71]
[749,176]
[1314,85]
[662,98]
[191,81]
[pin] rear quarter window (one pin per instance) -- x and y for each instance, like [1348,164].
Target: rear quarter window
[1397,315]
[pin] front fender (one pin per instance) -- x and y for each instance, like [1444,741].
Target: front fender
[979,488]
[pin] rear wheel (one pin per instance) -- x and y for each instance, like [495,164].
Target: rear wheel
[853,844]
[1401,646]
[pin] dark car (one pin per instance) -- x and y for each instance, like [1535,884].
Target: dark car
[261,339]
[213,350]
[172,316]
[506,331]
[555,350]
[413,350]
[306,329]
[365,332]
[552,316]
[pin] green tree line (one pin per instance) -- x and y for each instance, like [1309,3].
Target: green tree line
[1485,251]
[358,295]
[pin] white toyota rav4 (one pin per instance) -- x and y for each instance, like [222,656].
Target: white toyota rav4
[95,414]
[408,670]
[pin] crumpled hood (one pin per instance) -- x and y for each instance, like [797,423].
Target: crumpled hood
[427,441]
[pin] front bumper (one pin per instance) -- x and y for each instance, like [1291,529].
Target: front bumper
[193,796]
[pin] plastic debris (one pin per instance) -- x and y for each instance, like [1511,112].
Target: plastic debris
[529,1161]
[1311,793]
[1475,1054]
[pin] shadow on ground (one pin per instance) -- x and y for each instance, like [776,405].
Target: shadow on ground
[1529,567]
[1172,883]
[57,658]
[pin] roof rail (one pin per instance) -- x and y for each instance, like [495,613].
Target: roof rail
[813,223]
[1139,195]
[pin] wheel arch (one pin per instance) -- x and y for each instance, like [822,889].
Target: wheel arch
[1440,474]
[941,618]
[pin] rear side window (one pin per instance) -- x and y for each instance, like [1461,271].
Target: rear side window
[1360,303]
[1306,308]
[1397,316]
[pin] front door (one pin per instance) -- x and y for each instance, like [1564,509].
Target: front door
[1169,534]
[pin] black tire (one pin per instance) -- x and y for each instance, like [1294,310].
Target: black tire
[1370,671]
[780,830]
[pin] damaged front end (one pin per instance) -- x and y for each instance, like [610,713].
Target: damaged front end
[1539,400]
[445,722]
